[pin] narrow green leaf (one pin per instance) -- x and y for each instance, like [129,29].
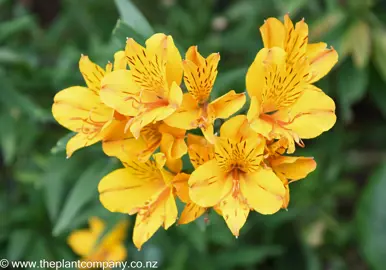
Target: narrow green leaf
[133,17]
[362,44]
[54,181]
[352,86]
[19,241]
[326,23]
[122,31]
[379,55]
[61,143]
[83,192]
[371,220]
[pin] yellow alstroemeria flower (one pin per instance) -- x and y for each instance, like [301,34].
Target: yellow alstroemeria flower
[196,111]
[284,103]
[149,91]
[234,181]
[111,247]
[80,109]
[145,189]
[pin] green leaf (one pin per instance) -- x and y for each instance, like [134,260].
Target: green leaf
[61,143]
[229,80]
[133,17]
[54,181]
[19,241]
[352,86]
[371,220]
[83,192]
[362,44]
[326,24]
[122,31]
[379,55]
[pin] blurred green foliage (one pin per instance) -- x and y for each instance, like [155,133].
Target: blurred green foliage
[336,219]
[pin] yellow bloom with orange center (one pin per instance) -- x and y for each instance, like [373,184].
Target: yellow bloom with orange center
[196,111]
[234,180]
[80,109]
[284,103]
[145,189]
[87,243]
[149,91]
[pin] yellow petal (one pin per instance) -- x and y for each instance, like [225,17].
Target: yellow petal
[82,242]
[163,211]
[296,39]
[120,92]
[197,139]
[237,128]
[123,145]
[190,213]
[186,116]
[78,108]
[256,123]
[81,140]
[294,168]
[199,79]
[246,154]
[151,116]
[193,55]
[120,60]
[208,131]
[92,73]
[255,78]
[263,191]
[148,67]
[117,234]
[116,253]
[175,96]
[312,114]
[173,147]
[272,33]
[174,165]
[180,182]
[208,184]
[126,189]
[234,212]
[96,225]
[200,154]
[174,62]
[322,63]
[227,104]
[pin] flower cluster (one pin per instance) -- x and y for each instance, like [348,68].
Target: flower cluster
[136,107]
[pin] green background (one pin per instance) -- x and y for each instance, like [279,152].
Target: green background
[337,215]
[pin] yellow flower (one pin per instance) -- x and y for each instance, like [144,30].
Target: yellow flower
[110,248]
[196,111]
[150,91]
[146,189]
[234,181]
[284,103]
[80,109]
